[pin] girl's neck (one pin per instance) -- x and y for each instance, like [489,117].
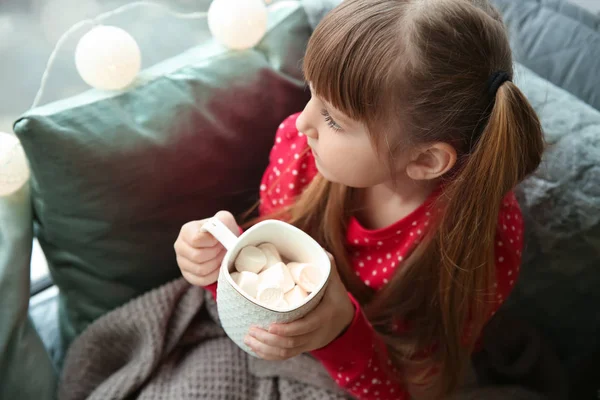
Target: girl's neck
[384,204]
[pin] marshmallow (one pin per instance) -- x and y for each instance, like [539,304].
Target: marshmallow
[250,259]
[296,296]
[277,276]
[271,253]
[269,295]
[307,276]
[247,281]
[262,275]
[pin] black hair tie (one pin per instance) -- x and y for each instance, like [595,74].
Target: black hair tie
[496,80]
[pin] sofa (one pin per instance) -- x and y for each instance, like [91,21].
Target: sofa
[115,175]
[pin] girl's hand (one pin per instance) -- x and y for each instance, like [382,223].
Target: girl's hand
[315,330]
[199,254]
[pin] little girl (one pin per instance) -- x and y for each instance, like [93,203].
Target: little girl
[401,165]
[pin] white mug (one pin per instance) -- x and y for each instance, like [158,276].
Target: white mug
[238,311]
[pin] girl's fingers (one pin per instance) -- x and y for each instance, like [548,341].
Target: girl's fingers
[199,270]
[202,239]
[198,255]
[213,254]
[186,265]
[303,326]
[331,258]
[201,281]
[284,342]
[193,235]
[267,352]
[206,254]
[229,221]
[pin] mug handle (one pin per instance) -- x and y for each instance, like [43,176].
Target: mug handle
[220,232]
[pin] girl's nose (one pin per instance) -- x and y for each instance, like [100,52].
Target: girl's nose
[304,125]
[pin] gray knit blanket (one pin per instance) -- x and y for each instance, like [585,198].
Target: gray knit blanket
[168,344]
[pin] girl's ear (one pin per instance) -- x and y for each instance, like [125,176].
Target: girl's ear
[431,161]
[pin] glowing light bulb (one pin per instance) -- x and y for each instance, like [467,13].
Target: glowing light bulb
[108,58]
[238,24]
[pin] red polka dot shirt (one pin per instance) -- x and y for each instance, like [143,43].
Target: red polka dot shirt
[351,359]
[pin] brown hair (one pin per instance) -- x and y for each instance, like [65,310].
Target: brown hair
[422,67]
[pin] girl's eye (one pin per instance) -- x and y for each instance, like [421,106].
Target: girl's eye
[332,124]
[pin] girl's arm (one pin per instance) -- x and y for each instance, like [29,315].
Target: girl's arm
[357,361]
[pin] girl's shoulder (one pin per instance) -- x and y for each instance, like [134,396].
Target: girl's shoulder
[291,168]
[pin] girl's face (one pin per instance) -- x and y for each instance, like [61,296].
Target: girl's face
[342,148]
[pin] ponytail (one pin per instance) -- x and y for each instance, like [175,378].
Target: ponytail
[446,285]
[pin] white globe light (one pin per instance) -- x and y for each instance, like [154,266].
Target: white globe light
[238,24]
[108,58]
[14,170]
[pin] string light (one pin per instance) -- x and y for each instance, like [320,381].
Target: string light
[244,25]
[238,24]
[109,58]
[56,16]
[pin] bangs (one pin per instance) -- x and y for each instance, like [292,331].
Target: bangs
[352,54]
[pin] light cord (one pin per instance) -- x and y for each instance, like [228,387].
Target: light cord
[97,20]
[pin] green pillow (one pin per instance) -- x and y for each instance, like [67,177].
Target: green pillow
[114,176]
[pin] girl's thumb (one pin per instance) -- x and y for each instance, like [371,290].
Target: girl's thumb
[229,221]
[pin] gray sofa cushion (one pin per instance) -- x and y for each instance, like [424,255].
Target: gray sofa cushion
[559,41]
[560,277]
[43,311]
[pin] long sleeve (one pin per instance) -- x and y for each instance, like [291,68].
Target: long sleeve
[212,289]
[358,362]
